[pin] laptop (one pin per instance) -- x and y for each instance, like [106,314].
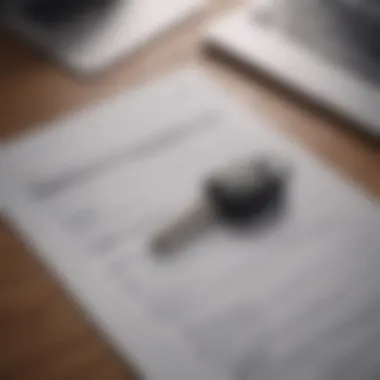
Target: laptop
[325,50]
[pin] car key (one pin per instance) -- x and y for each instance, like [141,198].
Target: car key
[236,196]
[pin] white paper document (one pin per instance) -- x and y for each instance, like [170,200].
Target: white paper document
[292,300]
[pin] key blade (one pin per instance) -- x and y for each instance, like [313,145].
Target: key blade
[183,228]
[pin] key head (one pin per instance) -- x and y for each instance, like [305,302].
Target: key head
[244,191]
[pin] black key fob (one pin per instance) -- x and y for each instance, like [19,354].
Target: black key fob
[246,190]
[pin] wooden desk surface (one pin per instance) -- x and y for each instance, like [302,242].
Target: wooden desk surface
[42,336]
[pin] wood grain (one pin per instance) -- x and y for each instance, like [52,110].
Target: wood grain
[42,335]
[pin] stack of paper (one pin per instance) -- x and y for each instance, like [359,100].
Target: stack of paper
[296,299]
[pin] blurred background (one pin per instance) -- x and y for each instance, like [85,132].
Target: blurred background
[42,335]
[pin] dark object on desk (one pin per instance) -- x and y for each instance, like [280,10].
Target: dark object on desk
[239,195]
[245,191]
[362,18]
[368,10]
[336,30]
[58,12]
